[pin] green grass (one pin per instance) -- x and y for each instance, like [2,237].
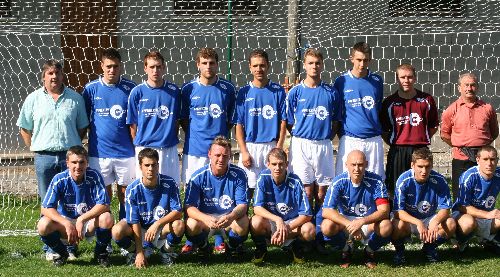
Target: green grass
[22,256]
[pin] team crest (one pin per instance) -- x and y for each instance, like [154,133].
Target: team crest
[268,112]
[283,208]
[215,111]
[225,202]
[415,119]
[127,88]
[158,212]
[489,202]
[163,112]
[116,111]
[368,102]
[82,208]
[434,181]
[360,210]
[423,207]
[321,112]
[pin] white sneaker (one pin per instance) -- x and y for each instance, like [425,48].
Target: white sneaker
[49,256]
[123,252]
[71,256]
[109,249]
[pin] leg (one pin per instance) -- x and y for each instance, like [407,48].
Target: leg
[51,233]
[400,231]
[260,228]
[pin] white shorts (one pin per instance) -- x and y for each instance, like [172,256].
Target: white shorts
[86,233]
[121,170]
[364,229]
[372,147]
[190,164]
[483,229]
[169,162]
[157,242]
[274,229]
[312,160]
[414,229]
[258,151]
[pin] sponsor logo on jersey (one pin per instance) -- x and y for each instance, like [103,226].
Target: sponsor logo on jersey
[143,100]
[360,209]
[249,99]
[116,111]
[283,208]
[158,212]
[215,110]
[225,202]
[423,207]
[415,119]
[97,98]
[321,112]
[172,87]
[82,208]
[163,112]
[368,102]
[489,202]
[302,100]
[348,90]
[268,112]
[196,98]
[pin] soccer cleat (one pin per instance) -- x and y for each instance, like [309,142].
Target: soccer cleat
[167,258]
[298,254]
[204,253]
[148,251]
[320,247]
[233,255]
[492,246]
[102,259]
[220,249]
[346,258]
[187,249]
[109,248]
[50,256]
[259,255]
[71,256]
[399,258]
[370,260]
[59,261]
[131,258]
[430,253]
[123,252]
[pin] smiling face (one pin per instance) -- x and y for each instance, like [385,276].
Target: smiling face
[77,165]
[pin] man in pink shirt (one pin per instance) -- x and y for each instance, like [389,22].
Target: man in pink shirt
[467,124]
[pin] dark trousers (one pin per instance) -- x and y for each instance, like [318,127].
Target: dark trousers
[457,168]
[398,161]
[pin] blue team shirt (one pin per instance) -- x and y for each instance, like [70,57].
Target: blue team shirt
[476,191]
[216,195]
[287,200]
[145,206]
[260,111]
[362,101]
[156,112]
[312,110]
[355,200]
[209,110]
[106,105]
[71,199]
[421,200]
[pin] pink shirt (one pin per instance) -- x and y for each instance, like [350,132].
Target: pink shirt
[469,124]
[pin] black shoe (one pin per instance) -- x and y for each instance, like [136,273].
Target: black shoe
[259,255]
[298,252]
[370,260]
[346,258]
[430,253]
[233,255]
[60,261]
[492,246]
[103,259]
[204,253]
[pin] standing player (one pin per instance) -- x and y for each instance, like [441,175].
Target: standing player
[153,213]
[313,112]
[361,92]
[409,119]
[259,117]
[153,114]
[281,210]
[207,109]
[466,125]
[76,207]
[421,206]
[111,149]
[357,206]
[474,209]
[216,201]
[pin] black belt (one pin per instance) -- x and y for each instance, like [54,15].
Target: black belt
[51,153]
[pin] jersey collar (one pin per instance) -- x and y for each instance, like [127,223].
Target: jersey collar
[109,85]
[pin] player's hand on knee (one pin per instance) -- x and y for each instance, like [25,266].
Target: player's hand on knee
[224,221]
[354,226]
[151,232]
[357,235]
[79,225]
[71,232]
[140,260]
[277,238]
[211,222]
[493,214]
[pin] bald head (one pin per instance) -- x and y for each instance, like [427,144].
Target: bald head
[356,165]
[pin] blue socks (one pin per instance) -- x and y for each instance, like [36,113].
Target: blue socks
[172,239]
[235,240]
[103,237]
[338,240]
[53,240]
[375,241]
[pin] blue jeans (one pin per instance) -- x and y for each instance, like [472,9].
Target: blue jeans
[47,165]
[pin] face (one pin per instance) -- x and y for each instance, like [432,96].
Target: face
[155,70]
[53,78]
[406,80]
[259,68]
[149,168]
[277,167]
[422,170]
[207,67]
[487,162]
[77,164]
[111,70]
[219,159]
[360,62]
[356,165]
[313,66]
[468,89]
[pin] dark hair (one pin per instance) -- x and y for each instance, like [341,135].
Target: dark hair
[206,53]
[48,64]
[362,47]
[77,150]
[278,153]
[422,153]
[258,53]
[112,54]
[487,148]
[313,52]
[154,55]
[221,141]
[148,153]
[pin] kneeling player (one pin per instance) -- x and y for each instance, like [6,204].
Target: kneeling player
[216,202]
[474,209]
[281,208]
[421,207]
[153,213]
[357,206]
[75,207]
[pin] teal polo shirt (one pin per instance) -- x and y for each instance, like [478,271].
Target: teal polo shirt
[53,124]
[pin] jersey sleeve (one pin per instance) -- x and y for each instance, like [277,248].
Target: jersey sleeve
[446,123]
[380,191]
[177,104]
[331,197]
[175,200]
[82,119]
[282,104]
[291,104]
[101,196]
[399,196]
[192,197]
[304,206]
[231,103]
[433,117]
[444,196]
[87,98]
[465,190]
[493,122]
[239,112]
[185,101]
[131,209]
[241,196]
[53,194]
[384,116]
[132,107]
[258,199]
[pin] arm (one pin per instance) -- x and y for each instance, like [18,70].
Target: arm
[196,214]
[493,126]
[240,138]
[140,259]
[153,229]
[433,131]
[406,217]
[184,124]
[282,135]
[133,130]
[282,229]
[82,132]
[477,213]
[238,212]
[433,227]
[446,127]
[97,210]
[53,215]
[26,136]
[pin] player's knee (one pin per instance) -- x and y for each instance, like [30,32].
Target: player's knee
[308,231]
[466,223]
[106,220]
[451,226]
[43,226]
[257,224]
[178,227]
[400,228]
[119,230]
[193,227]
[328,227]
[385,228]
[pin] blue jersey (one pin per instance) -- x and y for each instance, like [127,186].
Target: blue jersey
[145,206]
[209,110]
[312,110]
[71,199]
[106,104]
[421,200]
[287,200]
[260,111]
[476,191]
[216,195]
[355,200]
[156,112]
[362,101]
